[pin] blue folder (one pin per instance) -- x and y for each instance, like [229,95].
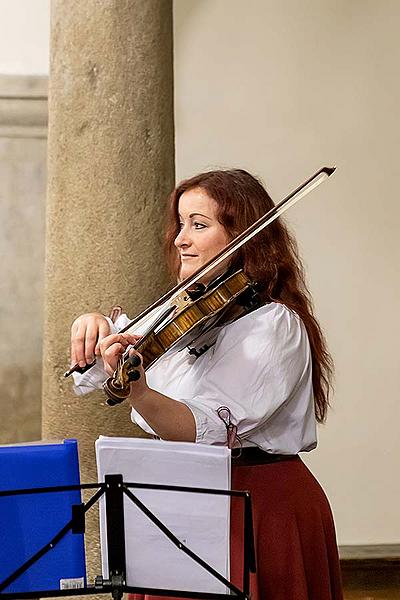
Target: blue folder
[28,522]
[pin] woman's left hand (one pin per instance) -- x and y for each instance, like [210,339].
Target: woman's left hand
[112,348]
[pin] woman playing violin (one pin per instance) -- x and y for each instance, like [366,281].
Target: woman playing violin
[265,376]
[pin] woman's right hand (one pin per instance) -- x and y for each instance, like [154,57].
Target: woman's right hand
[87,331]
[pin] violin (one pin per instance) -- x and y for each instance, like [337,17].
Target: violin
[224,300]
[191,305]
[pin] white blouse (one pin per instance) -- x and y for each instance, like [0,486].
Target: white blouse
[258,366]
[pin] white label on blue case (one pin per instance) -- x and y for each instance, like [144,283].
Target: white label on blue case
[72,584]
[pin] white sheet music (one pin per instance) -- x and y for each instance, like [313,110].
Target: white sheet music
[200,521]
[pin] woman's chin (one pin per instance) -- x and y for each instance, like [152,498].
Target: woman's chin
[185,273]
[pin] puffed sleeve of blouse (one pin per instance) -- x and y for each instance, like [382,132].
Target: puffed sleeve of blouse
[255,369]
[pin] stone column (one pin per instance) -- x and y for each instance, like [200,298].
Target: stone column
[111,166]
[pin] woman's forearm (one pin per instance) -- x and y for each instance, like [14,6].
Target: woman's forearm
[170,419]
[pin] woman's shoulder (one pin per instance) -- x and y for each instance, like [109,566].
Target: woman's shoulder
[271,324]
[269,317]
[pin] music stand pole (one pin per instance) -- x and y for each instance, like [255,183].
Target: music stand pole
[114,499]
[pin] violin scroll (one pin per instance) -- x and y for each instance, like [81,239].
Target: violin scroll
[117,387]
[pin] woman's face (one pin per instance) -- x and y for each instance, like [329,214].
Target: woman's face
[201,236]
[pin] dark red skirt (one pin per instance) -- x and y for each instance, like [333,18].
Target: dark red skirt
[295,541]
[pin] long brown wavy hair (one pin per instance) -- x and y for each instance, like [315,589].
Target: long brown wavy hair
[271,258]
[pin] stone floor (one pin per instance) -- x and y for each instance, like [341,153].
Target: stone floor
[369,580]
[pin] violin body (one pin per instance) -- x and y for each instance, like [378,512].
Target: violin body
[230,299]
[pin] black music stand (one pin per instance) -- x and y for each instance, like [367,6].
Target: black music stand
[114,489]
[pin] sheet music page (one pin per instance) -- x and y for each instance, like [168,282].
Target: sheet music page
[200,521]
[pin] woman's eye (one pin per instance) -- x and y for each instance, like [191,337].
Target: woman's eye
[199,225]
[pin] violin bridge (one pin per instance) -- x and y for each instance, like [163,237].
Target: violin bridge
[181,301]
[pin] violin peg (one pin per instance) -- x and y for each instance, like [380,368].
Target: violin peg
[133,375]
[134,360]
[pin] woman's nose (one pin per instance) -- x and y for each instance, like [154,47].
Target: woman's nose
[182,239]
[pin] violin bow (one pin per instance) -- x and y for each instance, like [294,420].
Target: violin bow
[276,211]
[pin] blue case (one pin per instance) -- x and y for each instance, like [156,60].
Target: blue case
[29,522]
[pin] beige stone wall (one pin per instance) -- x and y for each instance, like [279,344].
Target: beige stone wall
[24,37]
[23,130]
[280,88]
